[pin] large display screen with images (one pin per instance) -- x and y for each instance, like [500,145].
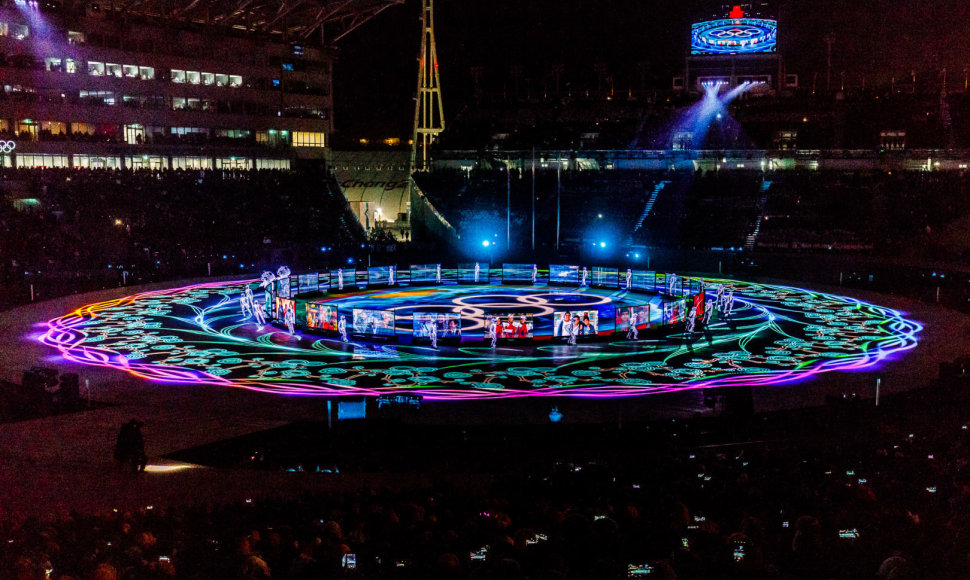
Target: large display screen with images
[446,324]
[309,283]
[373,322]
[518,272]
[563,274]
[343,279]
[473,273]
[582,323]
[284,305]
[510,325]
[734,36]
[425,273]
[382,276]
[283,287]
[321,316]
[675,311]
[606,277]
[644,280]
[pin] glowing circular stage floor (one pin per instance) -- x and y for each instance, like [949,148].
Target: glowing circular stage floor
[776,334]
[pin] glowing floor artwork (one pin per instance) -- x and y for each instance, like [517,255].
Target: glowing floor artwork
[197,334]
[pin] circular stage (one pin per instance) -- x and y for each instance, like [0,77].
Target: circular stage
[196,334]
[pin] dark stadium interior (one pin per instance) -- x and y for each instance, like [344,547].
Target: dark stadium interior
[150,146]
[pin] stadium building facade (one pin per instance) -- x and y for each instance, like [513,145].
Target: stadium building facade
[100,88]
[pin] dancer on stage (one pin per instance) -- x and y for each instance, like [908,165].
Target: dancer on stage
[433,334]
[535,272]
[390,275]
[583,281]
[632,333]
[477,270]
[289,316]
[246,305]
[340,278]
[342,328]
[437,273]
[493,331]
[629,278]
[574,330]
[729,303]
[259,312]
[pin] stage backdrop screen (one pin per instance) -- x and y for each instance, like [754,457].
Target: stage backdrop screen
[606,277]
[511,325]
[321,316]
[587,326]
[381,275]
[517,272]
[425,273]
[373,322]
[644,280]
[673,285]
[675,311]
[282,306]
[561,274]
[734,36]
[473,273]
[345,276]
[447,324]
[645,316]
[309,283]
[283,287]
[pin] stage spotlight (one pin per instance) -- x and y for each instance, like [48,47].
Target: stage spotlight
[600,216]
[486,243]
[602,244]
[637,256]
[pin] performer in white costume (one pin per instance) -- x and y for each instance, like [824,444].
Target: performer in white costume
[340,278]
[629,278]
[342,328]
[437,273]
[260,313]
[477,270]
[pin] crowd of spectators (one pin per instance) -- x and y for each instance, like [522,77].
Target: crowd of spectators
[72,230]
[870,496]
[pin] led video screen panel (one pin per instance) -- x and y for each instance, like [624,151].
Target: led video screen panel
[584,323]
[447,324]
[473,273]
[373,322]
[734,36]
[309,283]
[562,274]
[283,287]
[425,273]
[321,316]
[517,272]
[675,311]
[343,279]
[382,276]
[284,305]
[511,325]
[673,285]
[644,280]
[606,277]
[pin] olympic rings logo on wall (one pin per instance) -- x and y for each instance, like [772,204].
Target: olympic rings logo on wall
[7,146]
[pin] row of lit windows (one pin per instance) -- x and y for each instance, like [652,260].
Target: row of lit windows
[26,160]
[138,134]
[193,77]
[110,69]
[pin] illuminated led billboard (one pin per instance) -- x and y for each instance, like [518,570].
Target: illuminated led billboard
[734,36]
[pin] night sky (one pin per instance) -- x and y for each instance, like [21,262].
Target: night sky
[633,41]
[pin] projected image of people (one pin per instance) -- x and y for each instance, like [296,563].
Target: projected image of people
[514,325]
[373,322]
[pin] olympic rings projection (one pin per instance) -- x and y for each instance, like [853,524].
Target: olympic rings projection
[734,36]
[195,334]
[7,146]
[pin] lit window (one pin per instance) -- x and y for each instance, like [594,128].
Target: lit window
[96,69]
[222,80]
[178,103]
[19,31]
[178,76]
[130,71]
[309,139]
[235,81]
[70,66]
[193,77]
[52,64]
[112,70]
[75,37]
[146,73]
[208,79]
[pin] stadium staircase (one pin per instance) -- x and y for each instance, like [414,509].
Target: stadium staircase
[753,236]
[657,188]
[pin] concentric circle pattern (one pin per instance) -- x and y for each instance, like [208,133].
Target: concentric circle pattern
[196,334]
